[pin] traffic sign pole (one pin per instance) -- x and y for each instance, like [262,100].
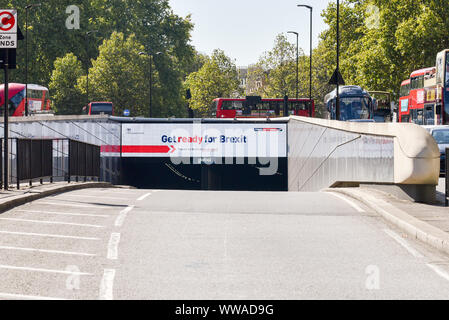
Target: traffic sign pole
[8,41]
[5,125]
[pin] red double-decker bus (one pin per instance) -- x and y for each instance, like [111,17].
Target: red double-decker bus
[38,99]
[241,108]
[424,97]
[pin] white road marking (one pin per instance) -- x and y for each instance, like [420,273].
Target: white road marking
[352,204]
[54,222]
[47,251]
[88,196]
[45,270]
[113,246]
[121,217]
[403,243]
[107,284]
[48,235]
[65,204]
[67,213]
[438,271]
[22,297]
[144,196]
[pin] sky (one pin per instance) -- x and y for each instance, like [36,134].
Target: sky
[245,29]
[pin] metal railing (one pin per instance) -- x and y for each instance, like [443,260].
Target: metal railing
[51,159]
[34,160]
[84,160]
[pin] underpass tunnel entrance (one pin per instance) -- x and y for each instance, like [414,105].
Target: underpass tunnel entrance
[162,173]
[204,154]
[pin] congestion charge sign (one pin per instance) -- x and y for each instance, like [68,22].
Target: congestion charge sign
[8,29]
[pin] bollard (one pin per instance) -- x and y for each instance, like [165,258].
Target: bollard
[446,173]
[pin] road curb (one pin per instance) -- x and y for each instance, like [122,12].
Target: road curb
[414,227]
[14,201]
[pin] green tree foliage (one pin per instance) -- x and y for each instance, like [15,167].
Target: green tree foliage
[121,75]
[275,70]
[382,41]
[66,97]
[218,77]
[153,22]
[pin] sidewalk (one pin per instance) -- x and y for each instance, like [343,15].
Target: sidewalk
[428,223]
[14,197]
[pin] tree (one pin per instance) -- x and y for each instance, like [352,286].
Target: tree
[121,75]
[153,22]
[274,75]
[66,97]
[218,77]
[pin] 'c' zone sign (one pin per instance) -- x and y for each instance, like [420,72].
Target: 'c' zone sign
[8,29]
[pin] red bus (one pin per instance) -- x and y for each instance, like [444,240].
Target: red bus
[239,108]
[427,101]
[99,108]
[38,99]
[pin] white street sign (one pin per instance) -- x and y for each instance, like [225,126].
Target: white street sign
[8,29]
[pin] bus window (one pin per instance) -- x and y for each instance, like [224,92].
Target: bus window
[101,107]
[417,82]
[405,118]
[429,116]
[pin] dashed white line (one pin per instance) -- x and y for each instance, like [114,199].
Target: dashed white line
[438,271]
[352,204]
[121,217]
[53,222]
[47,251]
[403,243]
[67,213]
[107,284]
[48,235]
[144,196]
[113,246]
[44,270]
[26,297]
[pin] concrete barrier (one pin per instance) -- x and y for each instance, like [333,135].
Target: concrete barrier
[400,157]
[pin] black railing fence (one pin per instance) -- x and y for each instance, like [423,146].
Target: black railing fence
[51,159]
[84,160]
[446,174]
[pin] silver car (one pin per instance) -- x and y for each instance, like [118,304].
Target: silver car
[441,136]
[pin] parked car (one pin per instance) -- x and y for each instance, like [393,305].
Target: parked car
[441,136]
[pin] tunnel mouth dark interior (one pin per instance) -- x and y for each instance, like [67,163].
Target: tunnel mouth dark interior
[246,175]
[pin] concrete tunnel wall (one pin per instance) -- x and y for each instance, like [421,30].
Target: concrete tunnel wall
[326,153]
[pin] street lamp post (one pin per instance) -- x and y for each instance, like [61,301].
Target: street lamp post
[26,53]
[310,46]
[297,52]
[87,64]
[151,55]
[337,107]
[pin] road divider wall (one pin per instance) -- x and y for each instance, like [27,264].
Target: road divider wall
[327,153]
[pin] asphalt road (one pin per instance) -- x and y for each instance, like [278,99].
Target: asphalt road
[154,244]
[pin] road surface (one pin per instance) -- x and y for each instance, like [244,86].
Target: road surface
[155,244]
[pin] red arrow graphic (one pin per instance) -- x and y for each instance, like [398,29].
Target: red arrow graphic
[148,149]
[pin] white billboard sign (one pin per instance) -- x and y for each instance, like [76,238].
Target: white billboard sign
[8,29]
[204,140]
